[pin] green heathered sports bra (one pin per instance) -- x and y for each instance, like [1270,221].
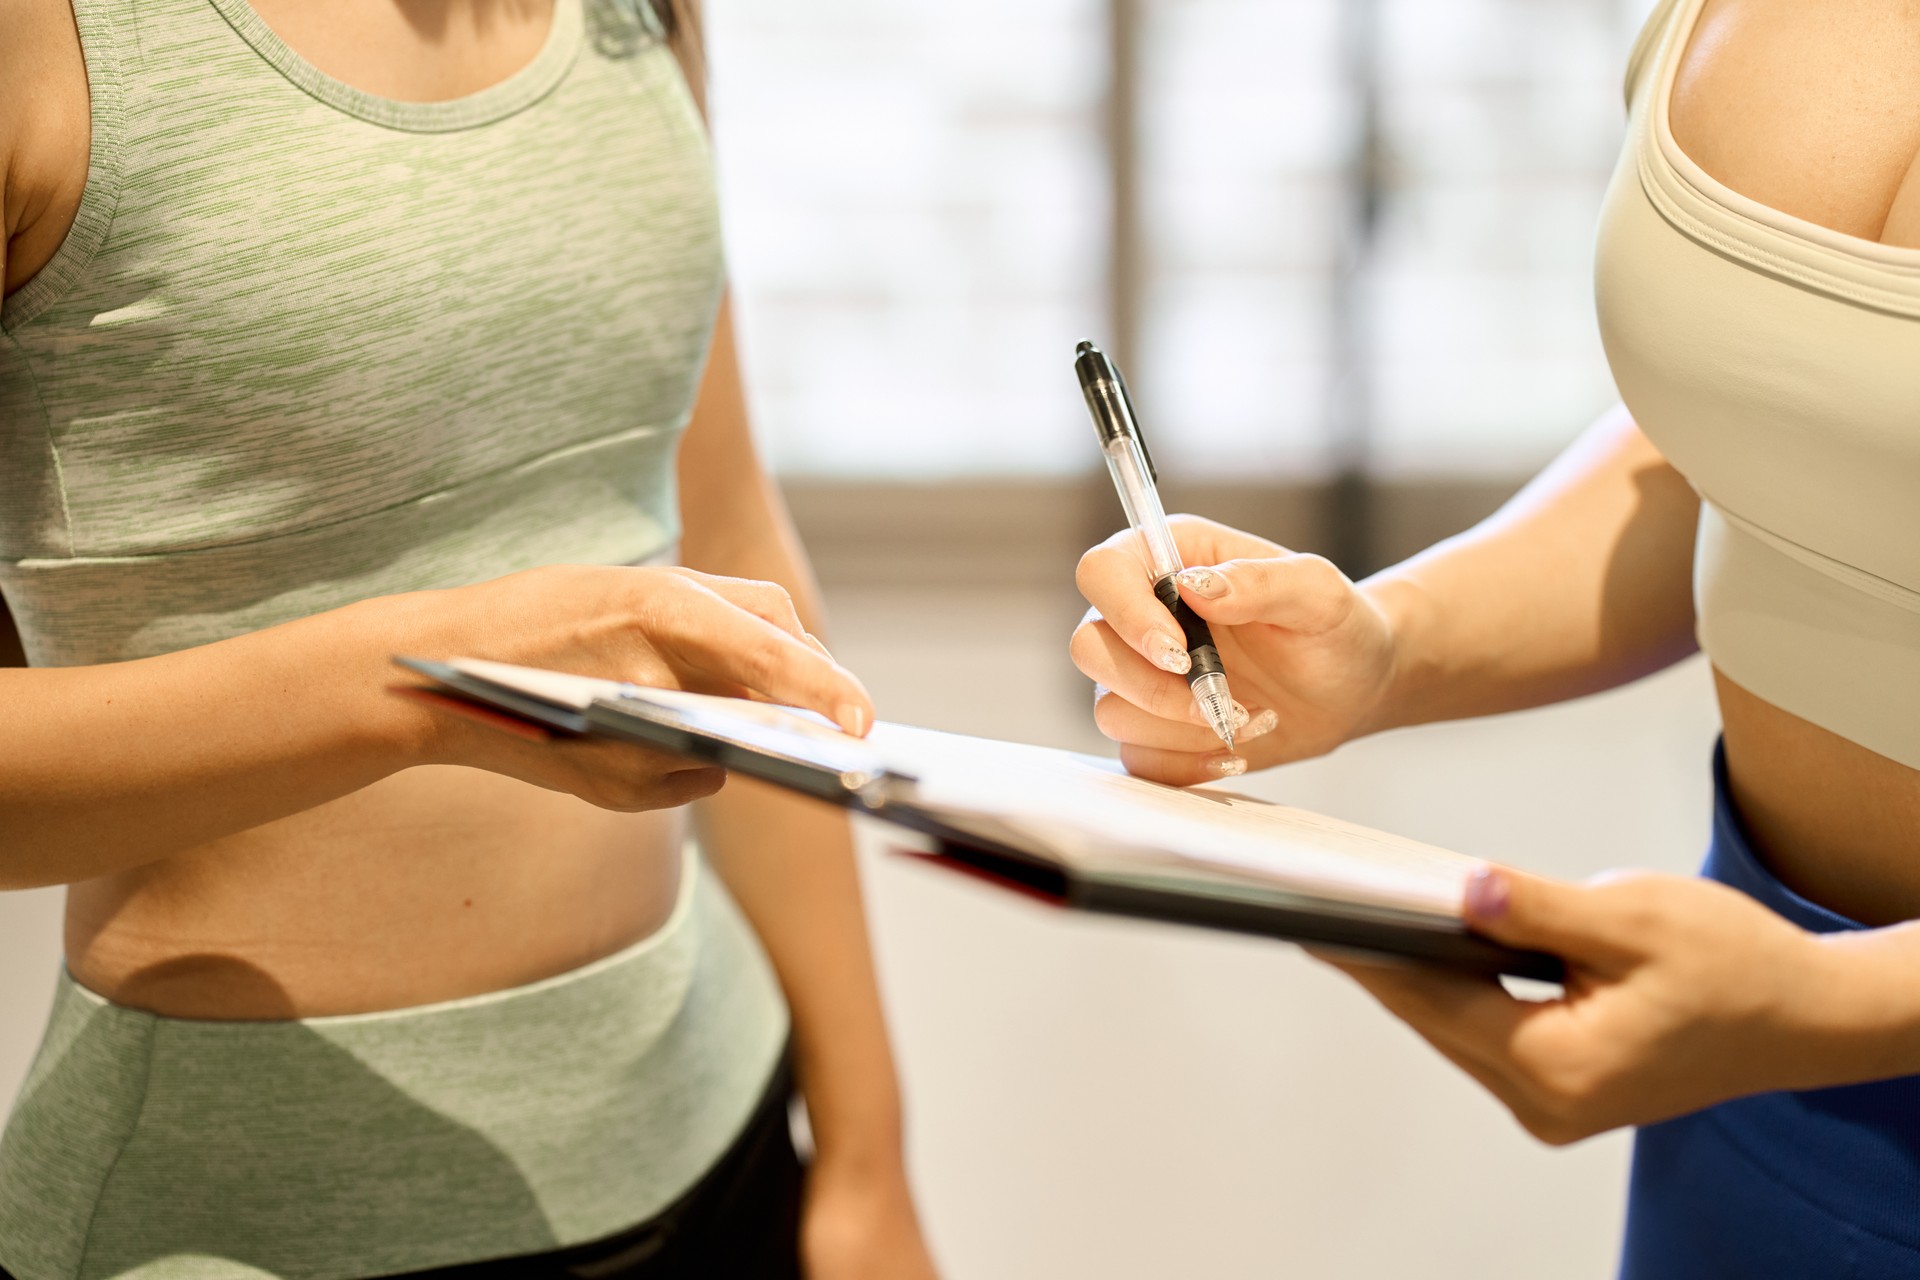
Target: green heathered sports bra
[305,345]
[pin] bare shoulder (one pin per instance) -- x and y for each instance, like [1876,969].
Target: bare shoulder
[1811,109]
[45,131]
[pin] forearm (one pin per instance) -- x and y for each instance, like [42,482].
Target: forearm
[1863,999]
[790,865]
[1581,582]
[107,767]
[789,861]
[736,522]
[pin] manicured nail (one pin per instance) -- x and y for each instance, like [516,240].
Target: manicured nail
[1487,894]
[1262,723]
[852,717]
[1226,766]
[1168,653]
[1205,583]
[1240,717]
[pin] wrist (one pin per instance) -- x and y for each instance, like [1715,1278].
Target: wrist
[876,1170]
[870,1146]
[857,1130]
[400,732]
[1861,1002]
[1406,611]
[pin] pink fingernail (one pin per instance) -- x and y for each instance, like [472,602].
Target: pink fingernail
[852,717]
[1487,894]
[1205,583]
[1226,766]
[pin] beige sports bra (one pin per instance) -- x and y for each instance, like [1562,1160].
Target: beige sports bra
[1776,364]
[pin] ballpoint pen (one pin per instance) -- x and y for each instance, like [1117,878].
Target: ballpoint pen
[1133,475]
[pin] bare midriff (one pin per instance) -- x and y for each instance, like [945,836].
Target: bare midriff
[435,883]
[1837,823]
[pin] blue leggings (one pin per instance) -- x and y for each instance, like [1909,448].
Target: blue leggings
[1822,1185]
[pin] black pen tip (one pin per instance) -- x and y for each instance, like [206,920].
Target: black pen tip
[1085,349]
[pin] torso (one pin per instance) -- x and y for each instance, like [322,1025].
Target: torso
[437,882]
[1814,110]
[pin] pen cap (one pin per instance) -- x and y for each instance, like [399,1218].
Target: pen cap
[1108,401]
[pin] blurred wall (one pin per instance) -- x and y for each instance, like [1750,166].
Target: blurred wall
[1317,233]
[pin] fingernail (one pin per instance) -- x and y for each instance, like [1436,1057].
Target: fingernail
[1263,722]
[1168,653]
[852,717]
[1205,583]
[1226,766]
[1487,894]
[1240,717]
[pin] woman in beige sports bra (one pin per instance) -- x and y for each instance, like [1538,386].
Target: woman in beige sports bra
[1757,494]
[335,331]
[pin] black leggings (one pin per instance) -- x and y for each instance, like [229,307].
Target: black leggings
[741,1221]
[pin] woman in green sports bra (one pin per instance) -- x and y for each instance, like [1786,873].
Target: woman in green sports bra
[335,331]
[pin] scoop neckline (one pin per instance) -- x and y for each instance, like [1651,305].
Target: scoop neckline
[1681,166]
[503,98]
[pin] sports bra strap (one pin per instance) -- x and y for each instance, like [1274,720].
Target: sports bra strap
[1645,43]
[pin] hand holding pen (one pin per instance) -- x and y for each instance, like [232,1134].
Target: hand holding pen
[1310,655]
[1194,655]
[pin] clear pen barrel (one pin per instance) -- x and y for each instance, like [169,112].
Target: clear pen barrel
[1142,502]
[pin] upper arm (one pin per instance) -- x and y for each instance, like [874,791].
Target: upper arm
[719,466]
[1611,478]
[1616,521]
[733,520]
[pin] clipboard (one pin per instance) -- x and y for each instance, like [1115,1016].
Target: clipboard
[1105,867]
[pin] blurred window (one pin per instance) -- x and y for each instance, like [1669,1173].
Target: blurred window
[1365,228]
